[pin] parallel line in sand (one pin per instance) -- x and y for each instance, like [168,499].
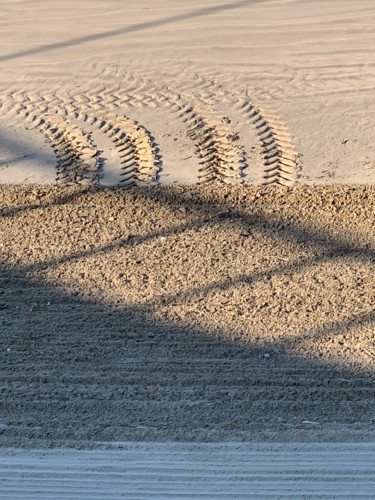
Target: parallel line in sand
[272,133]
[201,471]
[219,158]
[140,157]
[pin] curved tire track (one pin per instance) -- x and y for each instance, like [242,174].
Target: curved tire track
[77,157]
[78,160]
[217,144]
[221,156]
[281,162]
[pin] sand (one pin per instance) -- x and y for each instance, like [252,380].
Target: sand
[187,221]
[204,472]
[186,314]
[253,92]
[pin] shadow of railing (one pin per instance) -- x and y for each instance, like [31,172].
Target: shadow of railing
[77,371]
[202,12]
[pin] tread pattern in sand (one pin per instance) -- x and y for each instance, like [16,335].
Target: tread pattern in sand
[232,139]
[280,162]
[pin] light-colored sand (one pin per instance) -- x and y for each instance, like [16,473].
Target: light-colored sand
[183,472]
[210,313]
[252,91]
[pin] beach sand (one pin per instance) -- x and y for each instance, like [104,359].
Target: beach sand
[254,92]
[187,314]
[187,221]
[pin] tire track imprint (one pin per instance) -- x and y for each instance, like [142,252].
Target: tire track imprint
[78,160]
[200,104]
[74,149]
[221,156]
[281,162]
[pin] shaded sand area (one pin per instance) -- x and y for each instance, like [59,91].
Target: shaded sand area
[227,293]
[186,314]
[184,471]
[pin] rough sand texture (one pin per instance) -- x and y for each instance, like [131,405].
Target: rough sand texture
[205,313]
[168,312]
[252,91]
[145,471]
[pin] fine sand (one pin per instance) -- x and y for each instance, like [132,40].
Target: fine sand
[186,471]
[247,91]
[187,221]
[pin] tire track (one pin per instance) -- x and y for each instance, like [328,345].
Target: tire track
[139,153]
[140,157]
[281,162]
[221,156]
[200,107]
[75,151]
[77,157]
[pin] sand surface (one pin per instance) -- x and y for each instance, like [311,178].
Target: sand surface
[187,222]
[248,91]
[144,471]
[186,313]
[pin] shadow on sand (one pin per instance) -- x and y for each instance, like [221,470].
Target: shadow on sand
[205,11]
[77,372]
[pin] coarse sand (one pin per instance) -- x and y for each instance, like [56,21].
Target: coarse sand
[198,313]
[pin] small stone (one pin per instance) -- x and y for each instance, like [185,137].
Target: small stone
[84,182]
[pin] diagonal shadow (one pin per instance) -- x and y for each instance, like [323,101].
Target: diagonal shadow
[205,11]
[328,248]
[15,151]
[77,372]
[80,373]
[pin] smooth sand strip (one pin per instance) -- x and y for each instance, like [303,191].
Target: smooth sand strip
[307,67]
[217,471]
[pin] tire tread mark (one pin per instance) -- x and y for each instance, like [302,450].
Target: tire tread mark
[280,147]
[129,138]
[281,162]
[74,156]
[77,157]
[222,158]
